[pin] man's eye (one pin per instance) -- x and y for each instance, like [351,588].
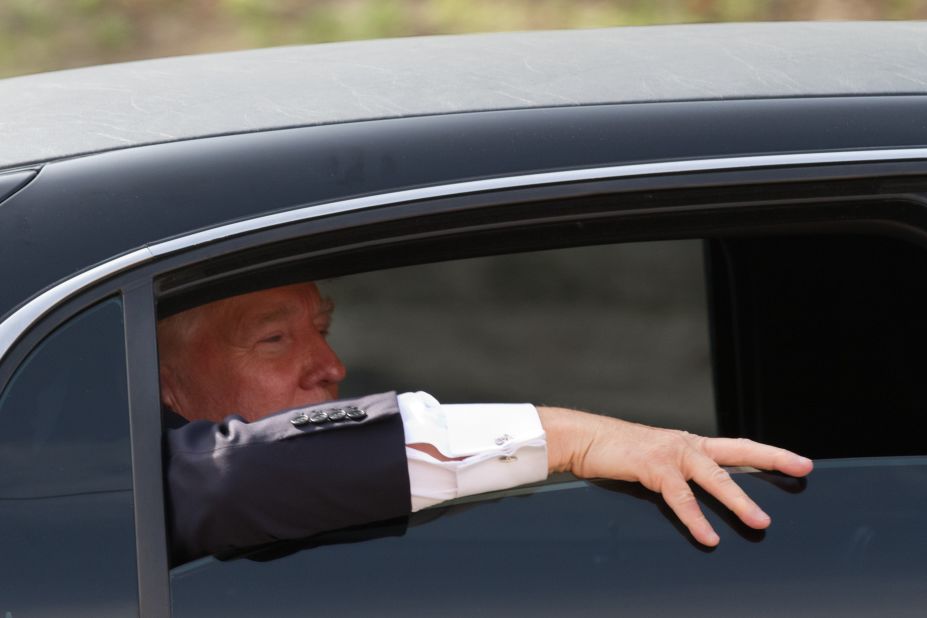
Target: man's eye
[272,339]
[323,327]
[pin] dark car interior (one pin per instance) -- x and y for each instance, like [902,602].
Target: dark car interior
[819,342]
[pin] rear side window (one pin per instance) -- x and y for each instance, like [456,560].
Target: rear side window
[66,519]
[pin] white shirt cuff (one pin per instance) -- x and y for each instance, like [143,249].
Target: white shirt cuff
[495,446]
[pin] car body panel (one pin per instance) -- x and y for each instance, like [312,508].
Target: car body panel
[847,541]
[11,182]
[68,113]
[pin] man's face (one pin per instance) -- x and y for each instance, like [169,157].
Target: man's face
[251,355]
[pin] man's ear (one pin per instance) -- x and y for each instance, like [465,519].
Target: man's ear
[169,393]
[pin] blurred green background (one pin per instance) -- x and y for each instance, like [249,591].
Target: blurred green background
[43,35]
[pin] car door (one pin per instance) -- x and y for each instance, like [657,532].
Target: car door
[840,539]
[197,233]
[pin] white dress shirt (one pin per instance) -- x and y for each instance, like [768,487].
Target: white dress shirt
[493,447]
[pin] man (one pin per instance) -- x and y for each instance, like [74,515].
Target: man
[263,475]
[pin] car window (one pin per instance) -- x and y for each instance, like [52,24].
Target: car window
[620,329]
[65,474]
[626,330]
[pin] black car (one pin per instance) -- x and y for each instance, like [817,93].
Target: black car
[719,227]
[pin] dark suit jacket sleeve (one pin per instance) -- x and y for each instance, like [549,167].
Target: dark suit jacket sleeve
[236,484]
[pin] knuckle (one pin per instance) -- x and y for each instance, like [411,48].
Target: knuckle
[682,441]
[721,476]
[679,451]
[682,497]
[665,451]
[690,460]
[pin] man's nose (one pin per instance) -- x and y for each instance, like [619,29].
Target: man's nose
[323,367]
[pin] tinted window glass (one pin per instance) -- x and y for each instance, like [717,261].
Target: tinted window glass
[66,520]
[618,329]
[63,419]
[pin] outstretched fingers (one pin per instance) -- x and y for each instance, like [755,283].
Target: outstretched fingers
[665,460]
[702,469]
[678,495]
[718,482]
[743,452]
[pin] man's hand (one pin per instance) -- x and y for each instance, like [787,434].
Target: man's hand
[664,460]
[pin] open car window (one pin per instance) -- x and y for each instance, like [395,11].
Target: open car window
[641,331]
[618,329]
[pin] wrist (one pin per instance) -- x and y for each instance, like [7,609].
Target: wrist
[564,438]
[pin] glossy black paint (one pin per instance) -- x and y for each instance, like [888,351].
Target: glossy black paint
[848,541]
[11,182]
[94,207]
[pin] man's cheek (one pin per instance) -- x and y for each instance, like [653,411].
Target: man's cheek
[269,393]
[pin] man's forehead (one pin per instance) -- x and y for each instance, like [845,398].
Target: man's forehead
[225,317]
[273,300]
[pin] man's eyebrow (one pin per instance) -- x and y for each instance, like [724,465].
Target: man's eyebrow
[260,318]
[326,305]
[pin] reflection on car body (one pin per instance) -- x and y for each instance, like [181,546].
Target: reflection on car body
[788,160]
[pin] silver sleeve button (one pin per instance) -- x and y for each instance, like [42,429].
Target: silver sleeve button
[300,419]
[354,413]
[337,414]
[318,417]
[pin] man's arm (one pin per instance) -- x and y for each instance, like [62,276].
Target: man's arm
[236,484]
[664,460]
[490,447]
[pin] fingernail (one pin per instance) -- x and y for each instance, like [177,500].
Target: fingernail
[713,538]
[761,515]
[802,461]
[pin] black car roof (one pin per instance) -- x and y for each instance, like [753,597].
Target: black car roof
[67,113]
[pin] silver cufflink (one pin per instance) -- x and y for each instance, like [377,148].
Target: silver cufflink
[508,459]
[503,439]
